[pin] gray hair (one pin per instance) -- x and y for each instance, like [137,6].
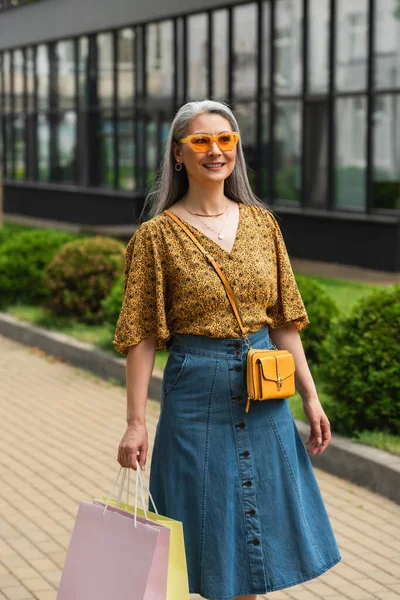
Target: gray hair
[172,185]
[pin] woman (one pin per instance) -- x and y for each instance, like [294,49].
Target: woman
[241,483]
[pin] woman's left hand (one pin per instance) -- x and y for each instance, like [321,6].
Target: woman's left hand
[320,429]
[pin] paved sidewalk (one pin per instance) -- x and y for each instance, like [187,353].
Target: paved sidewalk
[60,428]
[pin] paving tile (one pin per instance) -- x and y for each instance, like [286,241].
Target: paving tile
[73,446]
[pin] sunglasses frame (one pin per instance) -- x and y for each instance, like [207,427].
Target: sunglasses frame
[213,138]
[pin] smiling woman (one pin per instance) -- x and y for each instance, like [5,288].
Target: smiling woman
[241,483]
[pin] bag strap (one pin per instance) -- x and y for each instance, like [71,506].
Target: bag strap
[230,293]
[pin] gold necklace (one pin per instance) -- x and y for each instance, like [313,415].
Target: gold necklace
[219,233]
[203,215]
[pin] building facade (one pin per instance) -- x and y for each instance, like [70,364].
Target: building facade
[88,90]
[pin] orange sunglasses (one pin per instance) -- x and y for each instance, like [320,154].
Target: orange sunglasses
[201,142]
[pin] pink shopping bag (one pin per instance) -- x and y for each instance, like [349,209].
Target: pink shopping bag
[110,556]
[158,578]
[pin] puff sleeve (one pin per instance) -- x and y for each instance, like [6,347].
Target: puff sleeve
[288,305]
[143,305]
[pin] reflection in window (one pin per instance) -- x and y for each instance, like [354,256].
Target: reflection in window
[387,46]
[126,85]
[288,36]
[105,69]
[350,158]
[316,152]
[386,185]
[287,151]
[19,146]
[18,81]
[7,81]
[67,146]
[127,180]
[43,147]
[30,79]
[160,60]
[220,54]
[245,50]
[42,69]
[265,45]
[197,36]
[66,74]
[106,151]
[83,67]
[318,45]
[351,44]
[245,114]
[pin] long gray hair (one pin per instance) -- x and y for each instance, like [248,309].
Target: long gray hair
[172,185]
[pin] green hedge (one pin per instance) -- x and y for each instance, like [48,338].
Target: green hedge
[112,304]
[360,366]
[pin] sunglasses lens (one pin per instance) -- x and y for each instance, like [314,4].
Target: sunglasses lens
[201,143]
[226,141]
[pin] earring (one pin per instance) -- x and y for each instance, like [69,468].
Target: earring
[178,166]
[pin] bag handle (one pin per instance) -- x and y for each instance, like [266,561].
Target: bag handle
[230,293]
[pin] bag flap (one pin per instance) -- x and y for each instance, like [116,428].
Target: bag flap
[275,366]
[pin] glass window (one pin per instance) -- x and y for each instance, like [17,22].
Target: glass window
[106,152]
[126,81]
[8,155]
[19,146]
[42,69]
[288,151]
[387,44]
[43,147]
[126,145]
[351,44]
[66,74]
[220,54]
[18,81]
[30,79]
[350,152]
[245,50]
[67,145]
[318,45]
[245,114]
[386,186]
[288,45]
[197,36]
[83,68]
[266,44]
[316,153]
[160,59]
[105,66]
[7,81]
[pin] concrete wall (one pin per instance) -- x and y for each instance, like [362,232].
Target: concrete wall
[57,19]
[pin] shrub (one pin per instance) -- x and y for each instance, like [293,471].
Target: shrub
[112,304]
[23,259]
[81,275]
[321,311]
[361,366]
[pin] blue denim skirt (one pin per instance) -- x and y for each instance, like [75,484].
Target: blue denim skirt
[243,485]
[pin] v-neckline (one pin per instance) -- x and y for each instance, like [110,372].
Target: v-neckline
[229,252]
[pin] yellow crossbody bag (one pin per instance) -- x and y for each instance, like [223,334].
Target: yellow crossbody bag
[269,373]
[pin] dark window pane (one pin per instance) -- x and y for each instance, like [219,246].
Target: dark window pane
[105,65]
[7,81]
[126,84]
[19,141]
[8,127]
[245,114]
[316,153]
[220,54]
[197,35]
[386,185]
[351,152]
[42,69]
[288,44]
[126,144]
[67,145]
[266,45]
[66,74]
[288,151]
[387,46]
[106,150]
[318,44]
[245,50]
[351,44]
[30,79]
[160,60]
[43,143]
[83,66]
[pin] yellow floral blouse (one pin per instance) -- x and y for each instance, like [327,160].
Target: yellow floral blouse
[170,287]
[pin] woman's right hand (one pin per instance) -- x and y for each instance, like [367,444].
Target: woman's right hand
[133,446]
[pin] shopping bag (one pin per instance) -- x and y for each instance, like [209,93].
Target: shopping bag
[178,584]
[109,556]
